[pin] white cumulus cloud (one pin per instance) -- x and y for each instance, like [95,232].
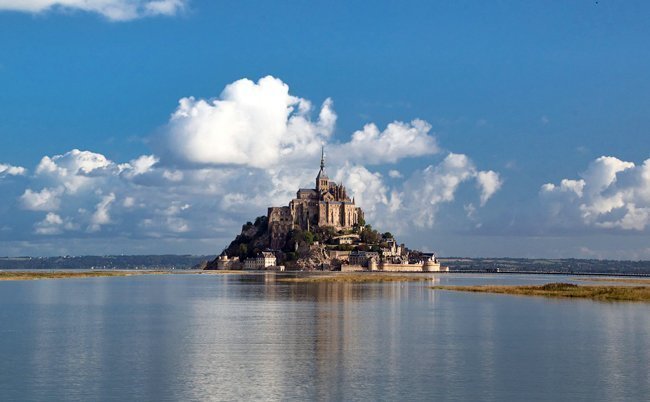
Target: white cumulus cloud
[45,200]
[139,166]
[395,174]
[9,170]
[262,125]
[88,190]
[611,194]
[428,189]
[397,141]
[114,10]
[249,124]
[489,183]
[367,187]
[53,224]
[74,169]
[102,213]
[417,200]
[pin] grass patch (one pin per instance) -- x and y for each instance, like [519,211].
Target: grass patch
[366,277]
[32,275]
[638,281]
[564,290]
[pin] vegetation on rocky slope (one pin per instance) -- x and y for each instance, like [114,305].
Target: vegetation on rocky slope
[252,239]
[303,249]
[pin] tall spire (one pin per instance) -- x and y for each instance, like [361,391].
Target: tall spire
[322,181]
[322,157]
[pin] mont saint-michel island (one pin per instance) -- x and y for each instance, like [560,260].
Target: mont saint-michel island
[321,229]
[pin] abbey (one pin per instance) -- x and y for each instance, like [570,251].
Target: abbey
[326,205]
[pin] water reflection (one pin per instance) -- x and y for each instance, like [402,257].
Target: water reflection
[227,337]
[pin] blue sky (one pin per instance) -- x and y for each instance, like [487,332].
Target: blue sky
[534,92]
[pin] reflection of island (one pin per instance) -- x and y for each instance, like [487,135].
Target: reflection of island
[322,228]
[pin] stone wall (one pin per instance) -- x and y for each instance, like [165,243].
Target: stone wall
[430,266]
[387,267]
[339,255]
[352,268]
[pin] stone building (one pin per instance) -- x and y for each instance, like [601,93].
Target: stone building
[326,205]
[263,260]
[362,258]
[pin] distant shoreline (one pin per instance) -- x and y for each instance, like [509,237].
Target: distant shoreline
[548,266]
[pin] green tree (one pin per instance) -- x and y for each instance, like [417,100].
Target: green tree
[370,236]
[308,237]
[298,238]
[243,251]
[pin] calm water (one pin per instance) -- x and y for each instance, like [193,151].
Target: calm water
[231,337]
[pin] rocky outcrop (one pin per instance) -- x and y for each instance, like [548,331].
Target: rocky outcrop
[312,257]
[252,239]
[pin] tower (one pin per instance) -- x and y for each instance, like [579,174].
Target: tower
[322,181]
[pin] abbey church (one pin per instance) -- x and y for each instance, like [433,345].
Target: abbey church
[326,205]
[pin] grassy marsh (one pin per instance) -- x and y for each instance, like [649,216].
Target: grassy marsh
[32,275]
[638,281]
[563,290]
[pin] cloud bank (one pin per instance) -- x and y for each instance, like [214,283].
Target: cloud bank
[220,162]
[113,10]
